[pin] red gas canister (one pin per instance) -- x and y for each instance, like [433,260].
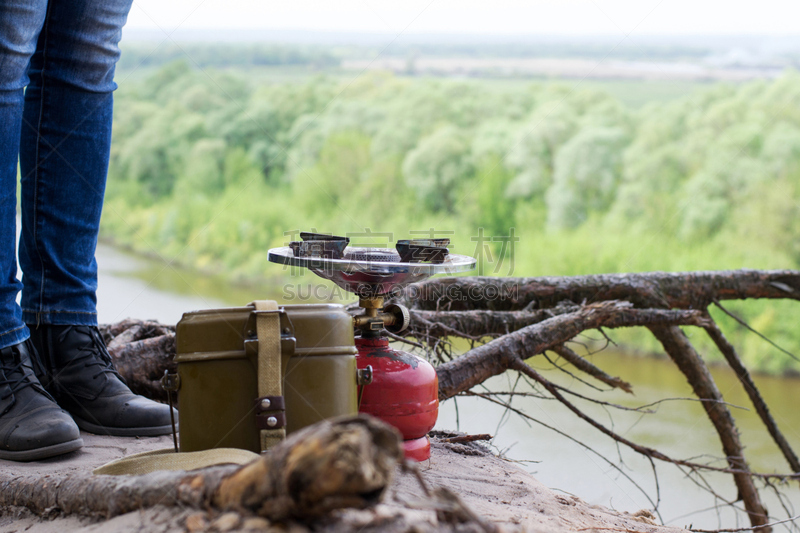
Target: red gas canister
[404,393]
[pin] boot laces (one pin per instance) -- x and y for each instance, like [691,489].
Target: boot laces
[93,351]
[18,376]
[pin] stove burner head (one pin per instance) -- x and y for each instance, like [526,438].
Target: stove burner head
[371,255]
[307,236]
[370,272]
[423,250]
[331,249]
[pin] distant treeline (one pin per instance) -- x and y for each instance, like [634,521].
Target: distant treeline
[211,169]
[225,55]
[220,55]
[611,50]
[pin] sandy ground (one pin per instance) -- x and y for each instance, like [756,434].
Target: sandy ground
[491,488]
[503,493]
[96,451]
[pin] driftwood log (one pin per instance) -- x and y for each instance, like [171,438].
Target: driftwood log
[525,317]
[330,465]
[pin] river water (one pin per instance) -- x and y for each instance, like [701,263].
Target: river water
[130,286]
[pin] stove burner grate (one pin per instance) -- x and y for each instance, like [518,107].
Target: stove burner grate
[372,255]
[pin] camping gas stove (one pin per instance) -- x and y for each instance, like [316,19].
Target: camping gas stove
[400,388]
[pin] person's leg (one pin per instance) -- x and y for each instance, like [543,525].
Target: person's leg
[66,136]
[20,21]
[32,426]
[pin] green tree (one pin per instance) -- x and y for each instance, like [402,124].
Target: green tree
[533,151]
[438,167]
[335,183]
[587,171]
[204,170]
[495,212]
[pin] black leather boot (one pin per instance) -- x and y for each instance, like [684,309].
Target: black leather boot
[78,372]
[32,426]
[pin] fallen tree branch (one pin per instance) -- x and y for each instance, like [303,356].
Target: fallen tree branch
[467,438]
[330,465]
[733,359]
[142,363]
[141,350]
[511,350]
[475,324]
[684,290]
[143,329]
[553,389]
[699,377]
[495,357]
[585,366]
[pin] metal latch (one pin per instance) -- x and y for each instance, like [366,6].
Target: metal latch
[363,378]
[170,382]
[364,375]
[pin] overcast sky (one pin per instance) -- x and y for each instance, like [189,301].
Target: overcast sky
[531,17]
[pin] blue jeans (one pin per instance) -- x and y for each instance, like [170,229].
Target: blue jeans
[64,51]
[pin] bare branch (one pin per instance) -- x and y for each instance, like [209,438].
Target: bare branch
[526,416]
[699,377]
[749,385]
[643,450]
[750,329]
[585,366]
[495,357]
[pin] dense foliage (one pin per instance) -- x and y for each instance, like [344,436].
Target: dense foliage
[209,169]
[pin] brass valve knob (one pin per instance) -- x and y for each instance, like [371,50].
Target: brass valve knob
[402,318]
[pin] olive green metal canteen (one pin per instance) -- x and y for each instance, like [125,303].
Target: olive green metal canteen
[225,397]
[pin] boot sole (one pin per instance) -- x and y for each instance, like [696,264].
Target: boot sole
[153,431]
[42,453]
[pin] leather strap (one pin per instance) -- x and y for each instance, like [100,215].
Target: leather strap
[270,380]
